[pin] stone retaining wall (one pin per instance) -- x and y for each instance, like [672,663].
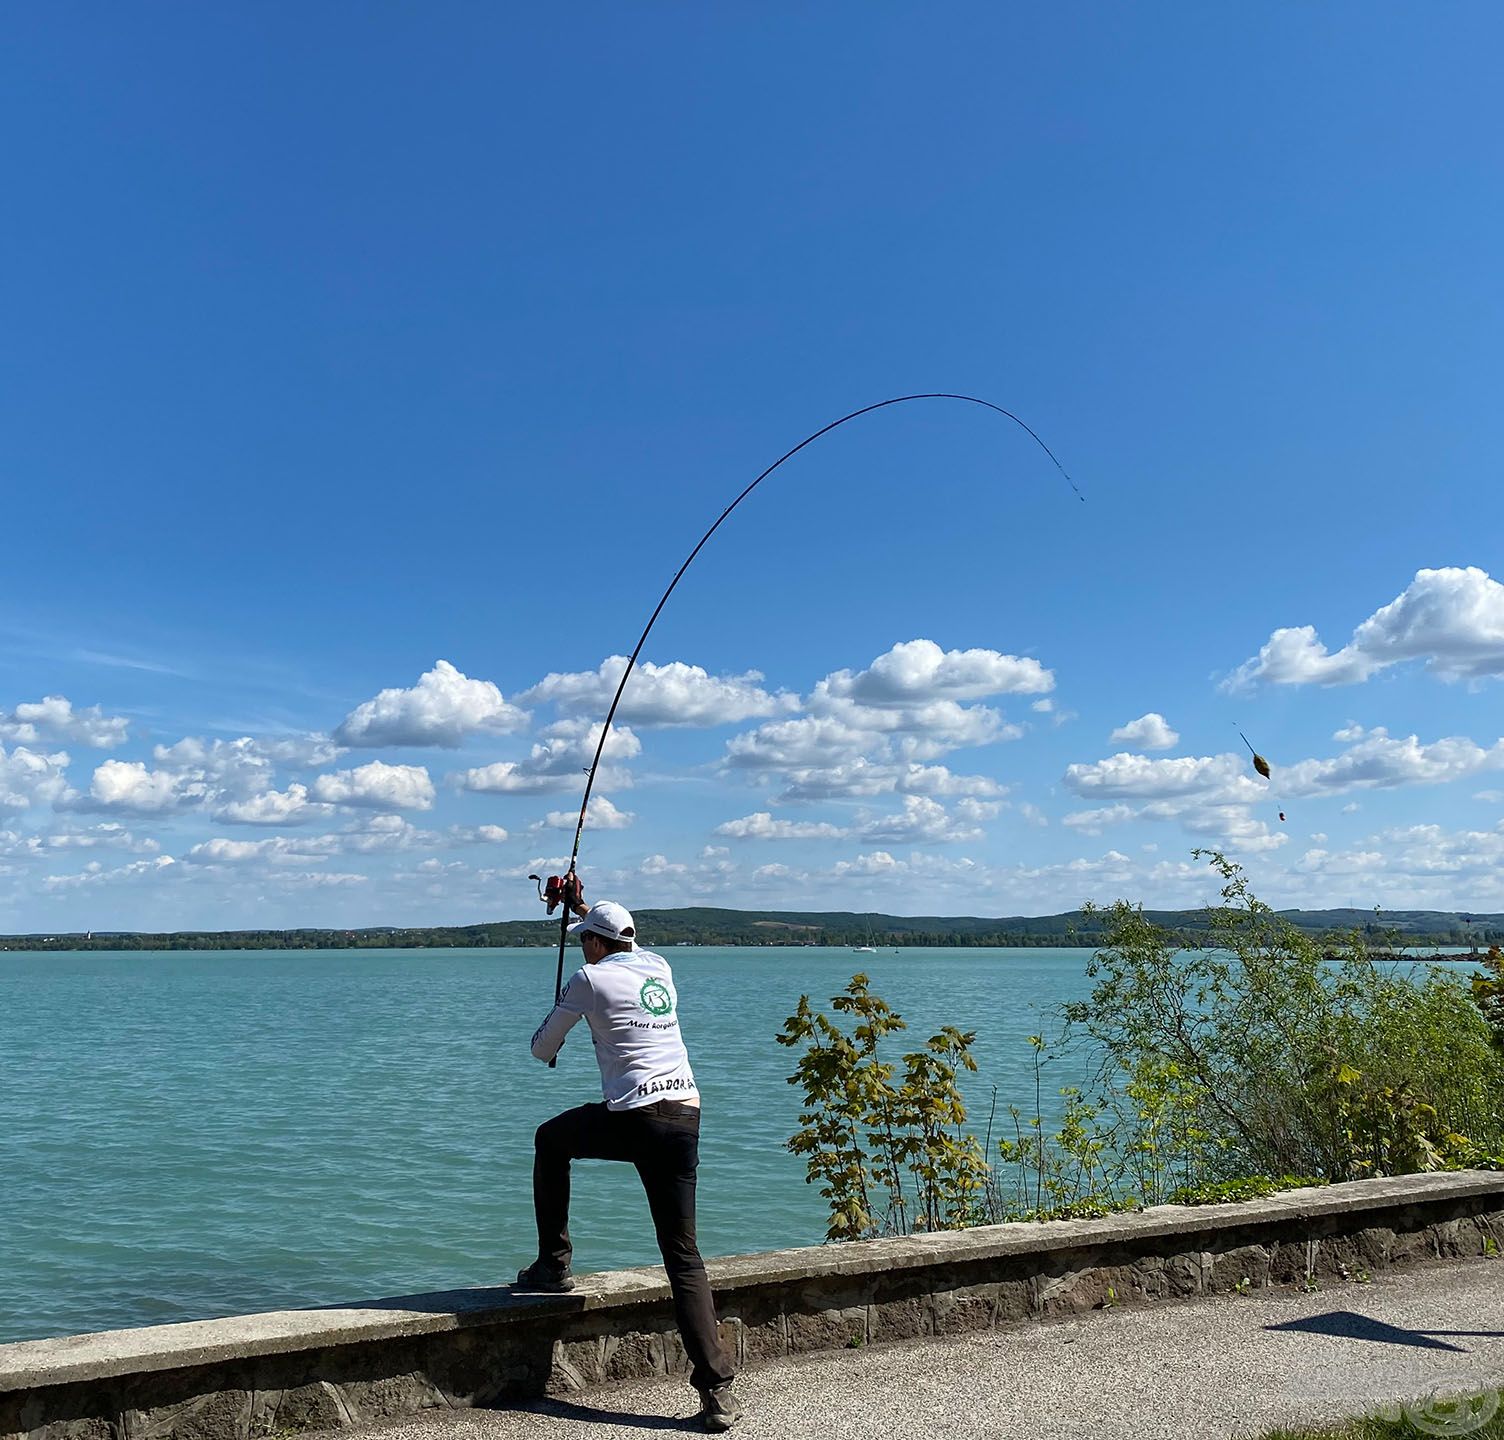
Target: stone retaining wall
[268,1375]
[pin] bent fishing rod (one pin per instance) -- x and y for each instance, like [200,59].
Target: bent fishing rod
[565,890]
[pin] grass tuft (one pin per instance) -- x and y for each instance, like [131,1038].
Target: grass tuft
[1442,1420]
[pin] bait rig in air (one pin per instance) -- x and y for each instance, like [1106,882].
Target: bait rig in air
[565,889]
[1262,766]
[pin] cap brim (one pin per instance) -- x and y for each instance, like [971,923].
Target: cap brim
[579,928]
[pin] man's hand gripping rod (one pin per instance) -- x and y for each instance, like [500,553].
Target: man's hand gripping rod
[569,891]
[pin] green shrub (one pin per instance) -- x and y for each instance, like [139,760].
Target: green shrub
[1205,1071]
[1254,1055]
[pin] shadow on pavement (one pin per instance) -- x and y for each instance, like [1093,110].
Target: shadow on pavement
[1348,1325]
[594,1415]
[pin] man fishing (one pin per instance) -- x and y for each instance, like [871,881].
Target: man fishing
[651,1114]
[650,1118]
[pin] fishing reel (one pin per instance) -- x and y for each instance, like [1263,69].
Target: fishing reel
[566,890]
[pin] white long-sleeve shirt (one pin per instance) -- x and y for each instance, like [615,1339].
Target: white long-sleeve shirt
[632,1007]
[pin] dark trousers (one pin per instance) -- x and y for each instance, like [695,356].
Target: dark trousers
[663,1141]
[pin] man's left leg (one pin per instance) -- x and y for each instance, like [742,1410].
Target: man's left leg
[667,1160]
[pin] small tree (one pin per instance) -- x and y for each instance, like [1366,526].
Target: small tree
[847,1089]
[862,1136]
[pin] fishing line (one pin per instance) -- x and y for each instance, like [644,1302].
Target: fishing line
[579,830]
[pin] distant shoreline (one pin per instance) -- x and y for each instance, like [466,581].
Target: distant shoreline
[772,928]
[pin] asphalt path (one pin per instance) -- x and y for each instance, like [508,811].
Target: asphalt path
[1231,1366]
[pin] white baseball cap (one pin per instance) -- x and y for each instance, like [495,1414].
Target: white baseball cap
[608,919]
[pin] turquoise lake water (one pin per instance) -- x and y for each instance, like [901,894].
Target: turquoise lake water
[184,1135]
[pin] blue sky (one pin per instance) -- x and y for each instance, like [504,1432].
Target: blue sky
[367,366]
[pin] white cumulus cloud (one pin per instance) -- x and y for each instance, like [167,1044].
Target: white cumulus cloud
[478,834]
[372,835]
[1451,618]
[1412,867]
[924,821]
[1093,822]
[95,874]
[861,780]
[94,837]
[557,762]
[865,729]
[762,826]
[675,694]
[1136,777]
[129,786]
[1148,732]
[29,776]
[401,787]
[1211,796]
[919,670]
[601,815]
[850,734]
[54,717]
[1380,762]
[441,709]
[274,807]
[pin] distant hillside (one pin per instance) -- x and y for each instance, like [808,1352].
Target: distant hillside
[708,926]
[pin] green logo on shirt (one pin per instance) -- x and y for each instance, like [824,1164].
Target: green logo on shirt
[654,997]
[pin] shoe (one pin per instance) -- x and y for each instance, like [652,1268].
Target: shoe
[545,1278]
[719,1408]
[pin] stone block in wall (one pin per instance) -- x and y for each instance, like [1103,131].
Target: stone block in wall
[263,1414]
[1290,1261]
[1049,1290]
[1339,1257]
[1452,1239]
[827,1329]
[576,1366]
[1472,1238]
[834,1293]
[675,1357]
[389,1395]
[1375,1245]
[16,1422]
[317,1406]
[764,1334]
[1188,1273]
[375,1380]
[1409,1245]
[1146,1278]
[1092,1287]
[1229,1268]
[1015,1302]
[483,1367]
[903,1319]
[214,1415]
[956,1312]
[732,1335]
[633,1356]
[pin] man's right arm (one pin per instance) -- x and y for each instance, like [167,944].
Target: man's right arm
[574,1002]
